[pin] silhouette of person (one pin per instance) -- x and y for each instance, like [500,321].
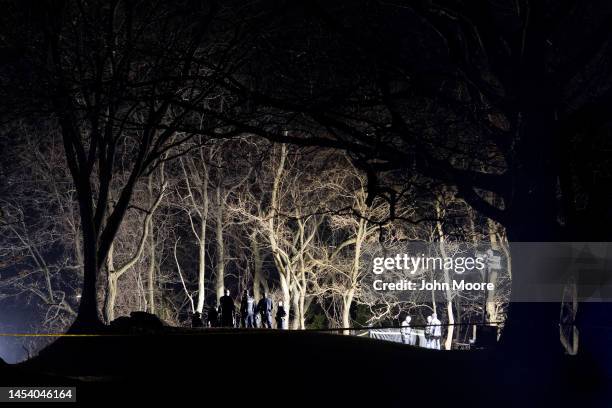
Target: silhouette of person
[436,332]
[281,317]
[227,309]
[196,320]
[213,317]
[264,308]
[247,310]
[428,333]
[406,330]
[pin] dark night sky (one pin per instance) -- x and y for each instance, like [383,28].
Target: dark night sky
[14,318]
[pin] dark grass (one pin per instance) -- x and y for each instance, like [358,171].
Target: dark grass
[287,368]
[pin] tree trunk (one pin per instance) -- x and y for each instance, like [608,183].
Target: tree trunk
[285,288]
[297,312]
[152,261]
[111,297]
[110,294]
[448,343]
[151,273]
[347,302]
[220,269]
[449,293]
[200,207]
[347,298]
[258,279]
[303,307]
[532,327]
[491,307]
[283,268]
[202,265]
[87,315]
[533,208]
[114,275]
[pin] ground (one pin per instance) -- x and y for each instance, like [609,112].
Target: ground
[293,367]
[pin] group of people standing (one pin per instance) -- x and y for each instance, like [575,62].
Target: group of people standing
[250,315]
[433,332]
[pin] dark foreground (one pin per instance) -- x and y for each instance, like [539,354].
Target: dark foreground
[273,368]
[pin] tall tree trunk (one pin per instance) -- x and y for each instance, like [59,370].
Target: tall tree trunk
[200,207]
[532,327]
[220,268]
[202,266]
[258,279]
[533,218]
[282,265]
[110,294]
[297,312]
[449,293]
[111,298]
[347,302]
[532,210]
[151,274]
[285,284]
[87,315]
[448,343]
[349,295]
[303,307]
[491,307]
[152,261]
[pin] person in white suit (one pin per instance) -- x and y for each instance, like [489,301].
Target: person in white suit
[406,330]
[428,333]
[436,332]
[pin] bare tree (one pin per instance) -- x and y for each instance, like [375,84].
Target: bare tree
[39,236]
[353,221]
[113,272]
[494,105]
[196,179]
[122,92]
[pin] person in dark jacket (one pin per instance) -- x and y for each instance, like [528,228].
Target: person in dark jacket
[264,308]
[196,320]
[227,309]
[281,317]
[213,317]
[247,310]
